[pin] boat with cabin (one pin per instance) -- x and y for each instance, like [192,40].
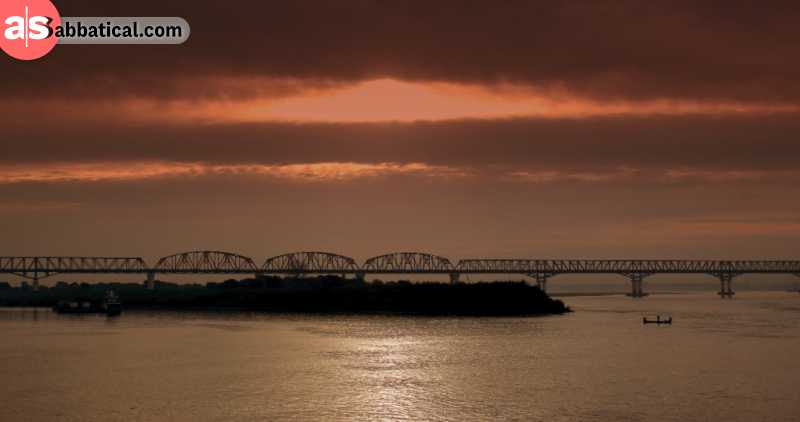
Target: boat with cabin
[111,306]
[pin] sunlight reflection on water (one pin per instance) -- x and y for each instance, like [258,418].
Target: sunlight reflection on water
[732,360]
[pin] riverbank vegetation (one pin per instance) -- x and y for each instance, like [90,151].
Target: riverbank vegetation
[323,294]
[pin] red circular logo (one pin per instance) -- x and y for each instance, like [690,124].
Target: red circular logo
[28,28]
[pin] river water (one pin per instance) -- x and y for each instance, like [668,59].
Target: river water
[731,360]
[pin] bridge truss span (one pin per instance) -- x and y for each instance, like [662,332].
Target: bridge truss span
[205,262]
[38,267]
[218,262]
[503,266]
[49,265]
[310,263]
[408,262]
[624,266]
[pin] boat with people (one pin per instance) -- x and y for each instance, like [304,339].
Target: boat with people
[658,320]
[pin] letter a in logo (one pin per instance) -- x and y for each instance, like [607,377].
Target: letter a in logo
[27,28]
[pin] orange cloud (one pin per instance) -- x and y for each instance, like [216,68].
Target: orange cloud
[719,176]
[111,171]
[550,176]
[659,176]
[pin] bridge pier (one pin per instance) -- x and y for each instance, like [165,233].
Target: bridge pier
[360,276]
[541,280]
[725,281]
[151,280]
[637,284]
[455,278]
[35,283]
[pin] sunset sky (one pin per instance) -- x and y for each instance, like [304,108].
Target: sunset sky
[467,129]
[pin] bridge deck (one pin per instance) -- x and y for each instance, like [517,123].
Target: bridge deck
[215,262]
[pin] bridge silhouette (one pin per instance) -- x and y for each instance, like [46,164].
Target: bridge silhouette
[310,263]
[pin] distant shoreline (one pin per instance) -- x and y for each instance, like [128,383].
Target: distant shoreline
[580,294]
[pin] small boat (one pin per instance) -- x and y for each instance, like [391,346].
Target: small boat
[112,304]
[658,320]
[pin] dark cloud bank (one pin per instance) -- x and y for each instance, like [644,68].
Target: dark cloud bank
[713,142]
[731,50]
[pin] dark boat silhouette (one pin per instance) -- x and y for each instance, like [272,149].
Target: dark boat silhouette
[111,306]
[76,307]
[658,320]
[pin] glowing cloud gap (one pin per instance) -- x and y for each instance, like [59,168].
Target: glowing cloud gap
[382,100]
[389,100]
[393,100]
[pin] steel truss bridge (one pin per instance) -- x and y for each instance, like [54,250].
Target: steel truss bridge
[310,263]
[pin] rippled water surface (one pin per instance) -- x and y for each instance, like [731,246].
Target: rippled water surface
[730,360]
